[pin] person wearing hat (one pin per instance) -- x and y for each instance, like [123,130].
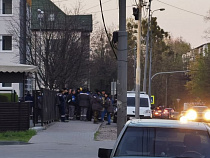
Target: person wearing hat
[108,109]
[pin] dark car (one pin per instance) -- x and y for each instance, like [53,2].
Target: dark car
[160,138]
[157,112]
[168,113]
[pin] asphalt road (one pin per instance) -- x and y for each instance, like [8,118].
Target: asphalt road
[74,139]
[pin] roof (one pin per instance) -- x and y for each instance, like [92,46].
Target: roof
[55,19]
[12,67]
[166,124]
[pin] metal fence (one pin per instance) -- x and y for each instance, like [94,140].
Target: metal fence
[14,116]
[45,109]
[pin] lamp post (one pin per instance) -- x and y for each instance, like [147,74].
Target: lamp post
[40,17]
[150,58]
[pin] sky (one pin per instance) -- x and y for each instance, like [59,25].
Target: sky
[181,18]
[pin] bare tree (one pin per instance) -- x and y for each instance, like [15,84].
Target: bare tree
[58,44]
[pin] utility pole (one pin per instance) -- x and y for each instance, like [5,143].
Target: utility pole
[138,69]
[147,50]
[122,69]
[22,49]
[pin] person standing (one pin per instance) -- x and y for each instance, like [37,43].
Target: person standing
[77,108]
[96,105]
[61,104]
[108,109]
[71,99]
[84,103]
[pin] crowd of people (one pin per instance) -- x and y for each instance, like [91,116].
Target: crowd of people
[84,105]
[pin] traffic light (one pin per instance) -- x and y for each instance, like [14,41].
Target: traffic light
[136,13]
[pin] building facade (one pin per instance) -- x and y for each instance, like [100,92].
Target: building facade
[9,51]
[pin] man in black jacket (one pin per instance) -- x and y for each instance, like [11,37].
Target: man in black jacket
[84,103]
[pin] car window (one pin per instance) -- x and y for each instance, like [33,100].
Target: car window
[165,142]
[143,102]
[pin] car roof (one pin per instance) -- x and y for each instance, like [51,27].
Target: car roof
[133,94]
[167,124]
[199,106]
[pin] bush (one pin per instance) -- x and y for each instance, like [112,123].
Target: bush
[8,97]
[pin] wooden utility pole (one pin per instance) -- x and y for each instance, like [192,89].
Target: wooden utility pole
[138,69]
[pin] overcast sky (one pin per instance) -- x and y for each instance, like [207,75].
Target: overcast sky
[182,18]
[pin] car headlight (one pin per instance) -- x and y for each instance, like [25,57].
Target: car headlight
[183,119]
[207,115]
[191,115]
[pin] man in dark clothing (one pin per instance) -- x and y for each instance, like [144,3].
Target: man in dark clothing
[77,109]
[96,105]
[108,109]
[61,105]
[71,100]
[84,103]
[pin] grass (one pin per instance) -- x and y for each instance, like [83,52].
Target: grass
[96,135]
[22,136]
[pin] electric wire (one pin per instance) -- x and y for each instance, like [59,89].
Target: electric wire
[96,5]
[106,29]
[181,9]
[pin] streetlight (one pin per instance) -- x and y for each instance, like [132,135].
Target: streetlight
[150,58]
[40,16]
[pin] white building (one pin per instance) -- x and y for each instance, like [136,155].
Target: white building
[9,51]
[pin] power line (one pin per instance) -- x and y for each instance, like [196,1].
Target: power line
[96,5]
[181,9]
[106,30]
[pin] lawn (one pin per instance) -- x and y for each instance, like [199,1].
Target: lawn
[22,136]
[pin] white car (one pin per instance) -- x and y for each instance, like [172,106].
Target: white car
[144,108]
[149,138]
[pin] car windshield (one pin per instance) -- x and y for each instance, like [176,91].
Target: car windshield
[143,102]
[164,142]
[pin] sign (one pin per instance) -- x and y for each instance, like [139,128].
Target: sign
[152,99]
[113,88]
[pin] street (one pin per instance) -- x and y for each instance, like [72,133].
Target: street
[74,139]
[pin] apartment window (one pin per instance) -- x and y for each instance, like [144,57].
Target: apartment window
[6,42]
[6,6]
[51,17]
[6,84]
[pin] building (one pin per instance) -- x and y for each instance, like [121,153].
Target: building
[11,36]
[191,55]
[9,51]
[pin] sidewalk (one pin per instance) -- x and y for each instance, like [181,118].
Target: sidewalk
[73,139]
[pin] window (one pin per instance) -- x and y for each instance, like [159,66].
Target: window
[51,17]
[143,102]
[6,42]
[6,84]
[6,6]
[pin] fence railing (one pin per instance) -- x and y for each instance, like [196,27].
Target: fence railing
[14,116]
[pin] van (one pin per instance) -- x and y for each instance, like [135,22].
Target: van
[145,105]
[144,109]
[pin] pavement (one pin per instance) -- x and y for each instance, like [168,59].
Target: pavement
[73,139]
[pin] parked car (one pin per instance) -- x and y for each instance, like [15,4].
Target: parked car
[157,112]
[197,113]
[145,106]
[168,113]
[151,138]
